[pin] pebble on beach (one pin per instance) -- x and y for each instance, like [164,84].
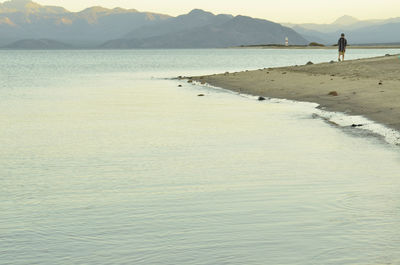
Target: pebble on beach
[357,125]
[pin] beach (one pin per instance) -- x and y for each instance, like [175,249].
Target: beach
[368,87]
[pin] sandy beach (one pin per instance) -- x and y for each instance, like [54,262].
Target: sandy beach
[367,87]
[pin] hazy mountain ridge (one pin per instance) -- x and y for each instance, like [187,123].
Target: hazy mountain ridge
[358,31]
[24,19]
[23,22]
[201,29]
[26,6]
[195,18]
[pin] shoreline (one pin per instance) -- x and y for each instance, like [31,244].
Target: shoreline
[363,87]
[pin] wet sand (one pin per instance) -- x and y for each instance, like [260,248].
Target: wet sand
[367,87]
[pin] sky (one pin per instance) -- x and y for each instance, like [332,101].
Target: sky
[294,11]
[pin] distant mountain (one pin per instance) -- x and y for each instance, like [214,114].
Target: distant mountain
[196,18]
[201,29]
[25,6]
[43,44]
[346,20]
[343,22]
[385,33]
[357,31]
[24,19]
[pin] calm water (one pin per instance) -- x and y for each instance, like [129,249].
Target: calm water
[103,161]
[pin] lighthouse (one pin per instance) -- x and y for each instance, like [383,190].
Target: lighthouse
[286,41]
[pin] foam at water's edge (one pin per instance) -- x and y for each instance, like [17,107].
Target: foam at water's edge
[344,120]
[340,119]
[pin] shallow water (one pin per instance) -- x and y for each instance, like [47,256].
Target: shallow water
[104,162]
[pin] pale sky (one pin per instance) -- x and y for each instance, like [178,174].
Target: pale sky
[296,11]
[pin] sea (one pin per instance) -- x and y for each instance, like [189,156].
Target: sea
[107,158]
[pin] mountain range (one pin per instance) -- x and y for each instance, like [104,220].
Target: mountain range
[376,31]
[24,19]
[27,25]
[200,29]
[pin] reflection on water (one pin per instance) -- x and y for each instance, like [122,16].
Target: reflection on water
[112,167]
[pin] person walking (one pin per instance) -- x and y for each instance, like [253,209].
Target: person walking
[342,44]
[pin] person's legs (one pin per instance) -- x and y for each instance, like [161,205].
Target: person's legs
[341,56]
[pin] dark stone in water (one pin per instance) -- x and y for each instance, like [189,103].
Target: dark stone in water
[356,125]
[309,63]
[200,95]
[261,99]
[180,86]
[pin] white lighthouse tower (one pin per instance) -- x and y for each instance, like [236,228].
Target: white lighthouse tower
[286,41]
